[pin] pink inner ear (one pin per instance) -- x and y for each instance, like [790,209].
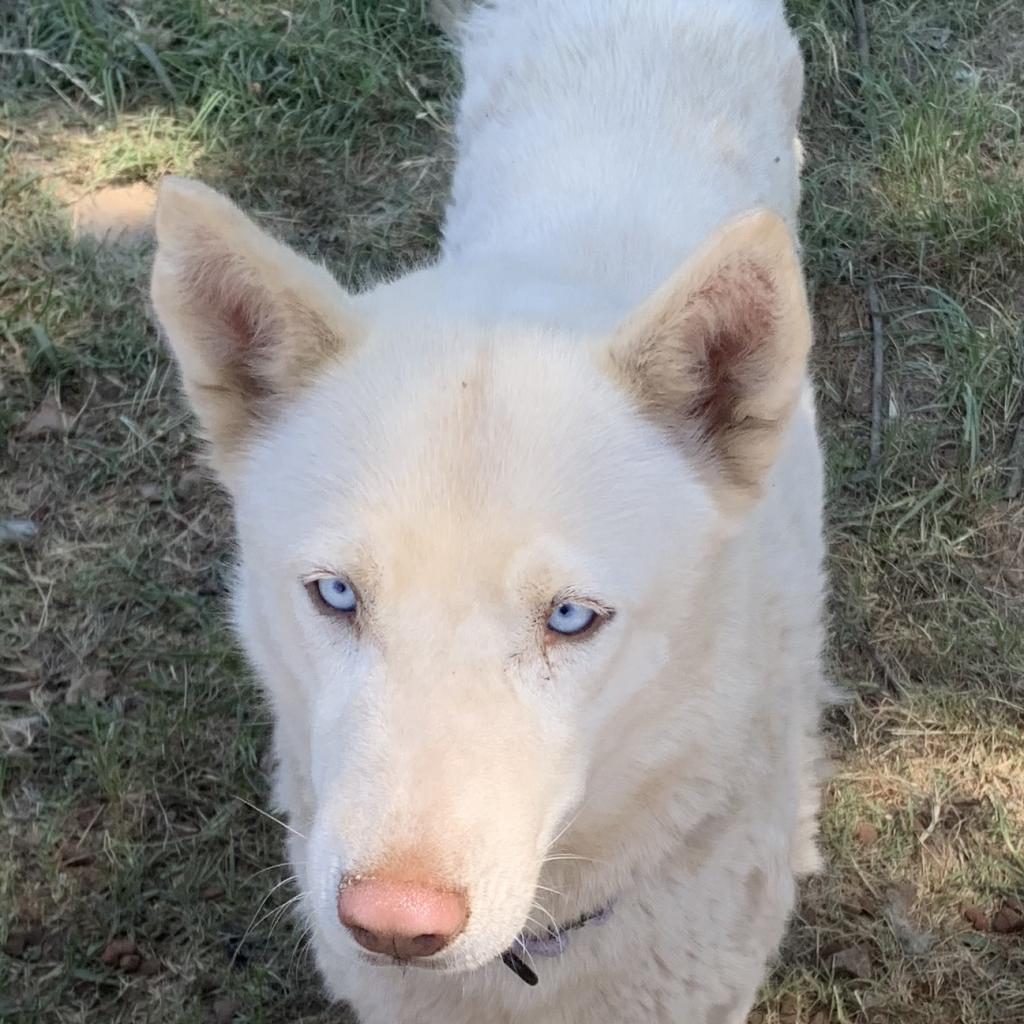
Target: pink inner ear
[737,310]
[222,286]
[240,325]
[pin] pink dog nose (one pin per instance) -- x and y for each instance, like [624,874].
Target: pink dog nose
[400,919]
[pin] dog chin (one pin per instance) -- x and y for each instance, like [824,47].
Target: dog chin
[454,963]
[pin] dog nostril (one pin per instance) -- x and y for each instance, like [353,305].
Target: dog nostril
[425,945]
[368,940]
[405,920]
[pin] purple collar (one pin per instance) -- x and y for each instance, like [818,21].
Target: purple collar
[553,942]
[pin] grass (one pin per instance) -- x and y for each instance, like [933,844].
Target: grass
[130,814]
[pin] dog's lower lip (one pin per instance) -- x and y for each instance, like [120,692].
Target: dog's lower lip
[377,960]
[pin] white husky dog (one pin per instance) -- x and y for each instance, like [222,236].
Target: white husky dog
[530,539]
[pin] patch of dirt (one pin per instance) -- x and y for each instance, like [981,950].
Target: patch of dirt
[1000,49]
[1002,533]
[118,214]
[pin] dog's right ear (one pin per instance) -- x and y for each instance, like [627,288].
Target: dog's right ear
[249,320]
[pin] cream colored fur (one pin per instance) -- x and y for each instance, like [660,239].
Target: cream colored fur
[598,390]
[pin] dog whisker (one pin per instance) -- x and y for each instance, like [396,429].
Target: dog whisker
[571,856]
[275,867]
[547,888]
[252,922]
[554,924]
[266,814]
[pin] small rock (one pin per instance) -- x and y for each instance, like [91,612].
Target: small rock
[212,892]
[118,948]
[149,968]
[129,963]
[18,531]
[757,1017]
[1007,921]
[153,493]
[820,1018]
[225,1008]
[866,834]
[49,418]
[977,918]
[93,686]
[854,962]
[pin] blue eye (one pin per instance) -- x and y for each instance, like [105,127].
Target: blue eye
[337,593]
[571,619]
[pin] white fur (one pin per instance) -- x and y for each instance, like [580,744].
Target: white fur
[465,457]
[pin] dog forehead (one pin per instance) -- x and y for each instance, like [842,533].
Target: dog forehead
[490,458]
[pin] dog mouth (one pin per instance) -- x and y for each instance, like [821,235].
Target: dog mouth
[419,963]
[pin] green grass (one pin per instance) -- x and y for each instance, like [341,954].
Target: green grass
[130,815]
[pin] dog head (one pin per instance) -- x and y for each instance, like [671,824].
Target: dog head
[470,552]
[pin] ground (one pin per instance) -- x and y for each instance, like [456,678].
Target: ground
[138,881]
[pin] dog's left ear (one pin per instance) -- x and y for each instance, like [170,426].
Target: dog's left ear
[249,320]
[717,356]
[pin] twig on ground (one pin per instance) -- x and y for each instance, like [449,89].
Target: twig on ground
[890,676]
[863,46]
[1013,489]
[878,373]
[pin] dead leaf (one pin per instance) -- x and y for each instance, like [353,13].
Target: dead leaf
[789,1009]
[915,940]
[934,38]
[866,834]
[92,686]
[77,858]
[20,732]
[977,918]
[854,962]
[1007,921]
[129,963]
[225,1009]
[191,482]
[117,948]
[49,418]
